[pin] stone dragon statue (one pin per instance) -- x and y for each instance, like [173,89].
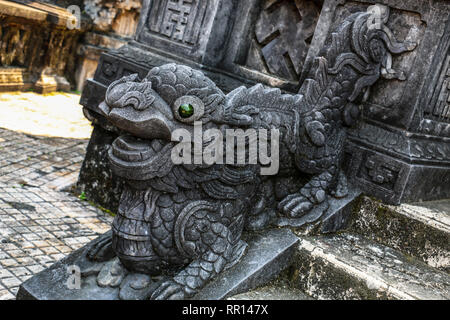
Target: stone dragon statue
[185,220]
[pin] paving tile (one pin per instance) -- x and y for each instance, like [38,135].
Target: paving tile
[6,295]
[38,223]
[4,273]
[11,282]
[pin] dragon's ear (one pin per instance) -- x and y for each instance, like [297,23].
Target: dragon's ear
[130,78]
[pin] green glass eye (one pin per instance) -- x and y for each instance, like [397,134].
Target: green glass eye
[186,110]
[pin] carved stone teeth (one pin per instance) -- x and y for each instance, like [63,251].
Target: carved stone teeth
[156,145]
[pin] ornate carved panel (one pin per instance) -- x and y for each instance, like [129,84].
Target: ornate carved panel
[388,100]
[439,107]
[282,36]
[376,169]
[178,20]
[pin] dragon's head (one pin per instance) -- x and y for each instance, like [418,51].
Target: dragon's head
[170,97]
[355,55]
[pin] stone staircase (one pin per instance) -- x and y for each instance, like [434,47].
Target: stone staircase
[386,252]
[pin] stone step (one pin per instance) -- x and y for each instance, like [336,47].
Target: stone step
[421,229]
[348,266]
[272,292]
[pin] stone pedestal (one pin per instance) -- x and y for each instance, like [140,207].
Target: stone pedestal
[268,254]
[400,152]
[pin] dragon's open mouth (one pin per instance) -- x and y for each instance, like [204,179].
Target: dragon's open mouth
[140,159]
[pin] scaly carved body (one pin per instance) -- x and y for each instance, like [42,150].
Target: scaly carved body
[191,216]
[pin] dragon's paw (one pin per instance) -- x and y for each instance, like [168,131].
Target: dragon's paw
[295,205]
[101,250]
[169,290]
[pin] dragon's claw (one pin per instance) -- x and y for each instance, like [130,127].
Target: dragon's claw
[101,250]
[168,290]
[295,205]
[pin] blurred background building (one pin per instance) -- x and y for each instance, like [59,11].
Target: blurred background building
[54,45]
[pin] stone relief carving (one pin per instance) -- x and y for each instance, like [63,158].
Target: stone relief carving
[283,33]
[439,107]
[418,149]
[185,221]
[380,172]
[178,20]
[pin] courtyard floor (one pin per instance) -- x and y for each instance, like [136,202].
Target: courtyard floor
[41,151]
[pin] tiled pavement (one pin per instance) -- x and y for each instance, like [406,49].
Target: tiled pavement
[38,224]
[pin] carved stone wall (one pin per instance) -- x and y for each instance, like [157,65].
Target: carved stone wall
[282,35]
[113,24]
[404,138]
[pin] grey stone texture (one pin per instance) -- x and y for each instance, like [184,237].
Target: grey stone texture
[421,230]
[272,292]
[400,153]
[36,161]
[351,267]
[387,154]
[193,214]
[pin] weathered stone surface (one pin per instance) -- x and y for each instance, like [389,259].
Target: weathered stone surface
[67,42]
[421,229]
[401,152]
[268,254]
[15,79]
[107,15]
[282,36]
[350,267]
[37,37]
[96,179]
[39,226]
[189,197]
[272,292]
[388,163]
[114,24]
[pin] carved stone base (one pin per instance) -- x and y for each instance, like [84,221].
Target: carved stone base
[399,166]
[268,254]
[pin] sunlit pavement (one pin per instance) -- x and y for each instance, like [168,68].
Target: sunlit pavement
[51,115]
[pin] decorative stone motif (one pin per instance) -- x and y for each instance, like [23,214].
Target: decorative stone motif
[441,109]
[178,19]
[378,173]
[283,33]
[437,112]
